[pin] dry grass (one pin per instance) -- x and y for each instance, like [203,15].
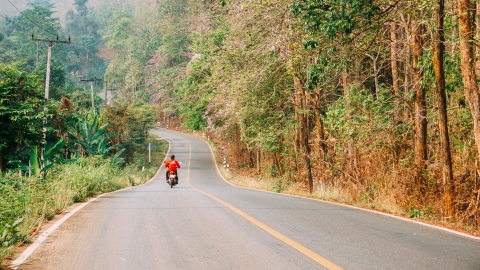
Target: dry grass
[248,181]
[379,195]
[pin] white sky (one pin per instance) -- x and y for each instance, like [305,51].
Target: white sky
[9,7]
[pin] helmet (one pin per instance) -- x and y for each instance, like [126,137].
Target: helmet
[172,156]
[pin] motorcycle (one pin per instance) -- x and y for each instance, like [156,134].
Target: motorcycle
[172,179]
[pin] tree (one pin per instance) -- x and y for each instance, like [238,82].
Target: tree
[37,20]
[21,116]
[438,66]
[83,30]
[419,101]
[469,76]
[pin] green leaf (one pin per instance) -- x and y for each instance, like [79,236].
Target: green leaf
[50,153]
[34,160]
[47,167]
[17,222]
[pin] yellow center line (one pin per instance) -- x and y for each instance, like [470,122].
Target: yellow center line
[306,251]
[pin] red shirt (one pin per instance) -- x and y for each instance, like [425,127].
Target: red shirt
[172,165]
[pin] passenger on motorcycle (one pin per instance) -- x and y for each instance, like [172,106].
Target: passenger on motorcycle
[172,164]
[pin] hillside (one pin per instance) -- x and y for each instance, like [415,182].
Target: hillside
[372,103]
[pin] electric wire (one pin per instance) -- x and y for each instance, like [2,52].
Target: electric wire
[12,21]
[9,20]
[77,53]
[28,18]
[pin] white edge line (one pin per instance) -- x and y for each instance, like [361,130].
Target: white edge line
[15,264]
[346,205]
[25,254]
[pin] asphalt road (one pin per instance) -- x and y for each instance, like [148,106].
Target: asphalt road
[205,223]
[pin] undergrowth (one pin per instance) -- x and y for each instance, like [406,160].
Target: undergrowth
[27,202]
[396,192]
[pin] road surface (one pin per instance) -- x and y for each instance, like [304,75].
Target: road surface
[206,223]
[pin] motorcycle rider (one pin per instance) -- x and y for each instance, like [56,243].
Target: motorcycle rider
[172,164]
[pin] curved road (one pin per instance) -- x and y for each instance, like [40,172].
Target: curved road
[205,223]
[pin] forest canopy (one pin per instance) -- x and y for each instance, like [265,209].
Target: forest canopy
[374,101]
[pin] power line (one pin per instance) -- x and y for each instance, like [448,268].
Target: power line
[28,18]
[95,79]
[9,20]
[47,31]
[50,45]
[37,25]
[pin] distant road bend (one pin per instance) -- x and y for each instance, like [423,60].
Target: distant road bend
[205,223]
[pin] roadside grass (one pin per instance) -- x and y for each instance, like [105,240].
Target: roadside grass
[246,180]
[32,200]
[383,201]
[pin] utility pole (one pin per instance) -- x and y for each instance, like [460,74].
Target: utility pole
[95,79]
[106,90]
[50,43]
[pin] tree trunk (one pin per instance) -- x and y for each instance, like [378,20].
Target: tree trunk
[477,35]
[251,158]
[258,161]
[304,127]
[2,164]
[407,67]
[420,106]
[375,73]
[306,134]
[277,163]
[345,82]
[467,66]
[320,129]
[438,56]
[298,129]
[393,56]
[298,114]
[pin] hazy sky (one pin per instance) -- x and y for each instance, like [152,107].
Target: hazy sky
[11,7]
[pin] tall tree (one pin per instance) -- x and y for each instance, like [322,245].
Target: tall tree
[438,66]
[469,77]
[420,103]
[393,55]
[21,114]
[83,30]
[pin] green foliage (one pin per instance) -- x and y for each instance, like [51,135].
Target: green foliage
[50,153]
[333,17]
[129,125]
[20,110]
[27,201]
[420,213]
[195,90]
[9,234]
[44,163]
[39,20]
[359,109]
[83,29]
[92,136]
[117,160]
[18,30]
[34,161]
[134,38]
[278,187]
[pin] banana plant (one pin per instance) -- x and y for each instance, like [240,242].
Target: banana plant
[117,159]
[92,137]
[41,165]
